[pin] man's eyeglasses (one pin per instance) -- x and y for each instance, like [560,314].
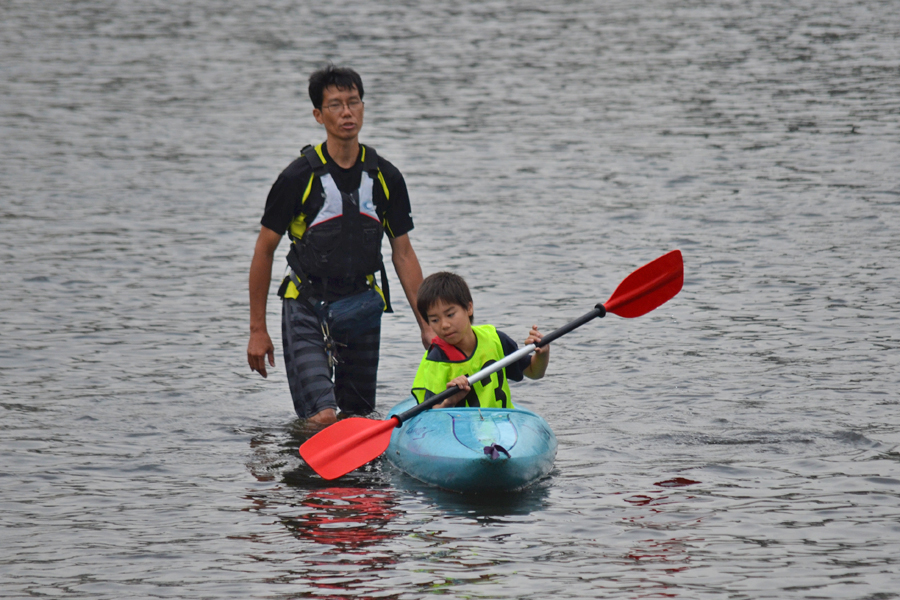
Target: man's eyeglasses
[354,104]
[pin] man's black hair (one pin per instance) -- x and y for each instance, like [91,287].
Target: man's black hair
[448,288]
[342,78]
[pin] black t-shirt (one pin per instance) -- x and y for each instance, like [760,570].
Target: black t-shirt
[515,371]
[285,202]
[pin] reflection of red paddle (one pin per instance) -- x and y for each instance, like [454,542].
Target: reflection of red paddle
[351,443]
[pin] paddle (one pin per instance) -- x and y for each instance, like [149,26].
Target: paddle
[351,443]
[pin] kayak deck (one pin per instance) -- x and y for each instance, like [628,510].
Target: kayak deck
[473,449]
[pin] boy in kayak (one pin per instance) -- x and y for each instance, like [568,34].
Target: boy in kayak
[462,349]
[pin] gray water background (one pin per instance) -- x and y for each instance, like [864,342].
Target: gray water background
[741,441]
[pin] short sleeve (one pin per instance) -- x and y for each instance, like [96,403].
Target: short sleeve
[398,214]
[515,371]
[286,192]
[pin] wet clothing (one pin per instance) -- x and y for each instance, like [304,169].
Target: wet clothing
[441,365]
[309,372]
[379,193]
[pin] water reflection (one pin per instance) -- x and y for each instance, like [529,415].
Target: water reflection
[353,536]
[339,530]
[484,508]
[348,518]
[660,554]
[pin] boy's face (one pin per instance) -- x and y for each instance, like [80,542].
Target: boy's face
[450,321]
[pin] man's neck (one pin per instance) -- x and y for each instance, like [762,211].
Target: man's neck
[343,152]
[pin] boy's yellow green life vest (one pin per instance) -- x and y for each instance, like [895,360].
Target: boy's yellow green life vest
[491,392]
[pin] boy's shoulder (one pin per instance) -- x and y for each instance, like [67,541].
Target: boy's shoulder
[509,344]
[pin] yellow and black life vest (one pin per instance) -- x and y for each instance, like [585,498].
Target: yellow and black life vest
[437,369]
[342,239]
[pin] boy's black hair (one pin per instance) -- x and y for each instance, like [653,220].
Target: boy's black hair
[446,287]
[342,78]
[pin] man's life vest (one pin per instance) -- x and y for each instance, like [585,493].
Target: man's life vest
[437,369]
[342,239]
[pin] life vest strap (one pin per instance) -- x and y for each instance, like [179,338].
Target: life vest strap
[385,290]
[370,161]
[453,353]
[316,163]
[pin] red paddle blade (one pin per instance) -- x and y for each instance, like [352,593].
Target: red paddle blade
[651,286]
[347,445]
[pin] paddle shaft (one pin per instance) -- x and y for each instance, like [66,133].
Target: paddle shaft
[599,311]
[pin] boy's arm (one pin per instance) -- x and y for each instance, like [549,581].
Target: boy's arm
[421,392]
[463,383]
[541,357]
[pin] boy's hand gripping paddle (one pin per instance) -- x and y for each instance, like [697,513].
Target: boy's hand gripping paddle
[353,442]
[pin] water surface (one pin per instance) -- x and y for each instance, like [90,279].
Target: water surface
[741,441]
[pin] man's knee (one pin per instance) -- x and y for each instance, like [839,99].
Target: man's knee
[311,400]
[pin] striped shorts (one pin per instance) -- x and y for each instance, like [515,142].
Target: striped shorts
[352,388]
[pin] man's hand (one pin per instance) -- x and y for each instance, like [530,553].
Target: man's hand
[258,348]
[427,336]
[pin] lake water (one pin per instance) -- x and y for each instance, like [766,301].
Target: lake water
[741,441]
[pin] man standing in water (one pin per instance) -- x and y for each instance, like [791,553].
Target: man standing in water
[335,203]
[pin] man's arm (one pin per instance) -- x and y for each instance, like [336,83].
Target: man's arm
[406,263]
[260,344]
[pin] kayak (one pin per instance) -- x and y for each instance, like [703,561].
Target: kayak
[473,450]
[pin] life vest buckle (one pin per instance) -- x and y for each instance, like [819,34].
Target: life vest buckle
[331,344]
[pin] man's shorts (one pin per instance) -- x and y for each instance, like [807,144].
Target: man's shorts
[355,324]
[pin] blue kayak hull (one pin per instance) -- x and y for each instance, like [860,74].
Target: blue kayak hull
[446,448]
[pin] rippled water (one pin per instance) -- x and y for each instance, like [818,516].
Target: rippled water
[742,441]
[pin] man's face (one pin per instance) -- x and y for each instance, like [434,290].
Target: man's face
[341,112]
